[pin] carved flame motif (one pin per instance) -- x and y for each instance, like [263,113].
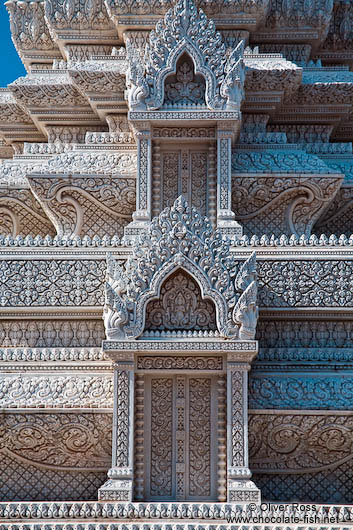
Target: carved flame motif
[180,306]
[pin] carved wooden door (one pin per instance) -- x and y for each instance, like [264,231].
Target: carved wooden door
[180,437]
[184,172]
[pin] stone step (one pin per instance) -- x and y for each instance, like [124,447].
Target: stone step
[94,525]
[172,516]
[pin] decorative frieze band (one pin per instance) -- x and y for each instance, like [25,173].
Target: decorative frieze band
[332,390]
[110,347]
[79,282]
[182,362]
[52,282]
[80,391]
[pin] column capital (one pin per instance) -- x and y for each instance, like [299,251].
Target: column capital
[142,129]
[237,367]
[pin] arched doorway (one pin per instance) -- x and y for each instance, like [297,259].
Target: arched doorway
[180,407]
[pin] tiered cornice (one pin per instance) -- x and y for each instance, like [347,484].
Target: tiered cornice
[31,33]
[296,21]
[136,14]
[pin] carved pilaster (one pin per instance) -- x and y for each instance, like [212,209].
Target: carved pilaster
[225,216]
[212,185]
[139,467]
[240,487]
[156,186]
[143,213]
[119,487]
[222,439]
[180,439]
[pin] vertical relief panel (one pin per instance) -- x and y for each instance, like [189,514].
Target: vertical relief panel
[181,438]
[184,172]
[200,437]
[198,163]
[170,178]
[161,479]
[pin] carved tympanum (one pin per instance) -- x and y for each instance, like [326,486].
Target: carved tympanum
[180,306]
[185,87]
[185,30]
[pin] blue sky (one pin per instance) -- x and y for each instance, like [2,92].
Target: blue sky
[11,66]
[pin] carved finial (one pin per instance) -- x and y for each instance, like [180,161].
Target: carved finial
[246,274]
[246,312]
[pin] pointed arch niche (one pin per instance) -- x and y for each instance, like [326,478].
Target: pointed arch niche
[184,88]
[180,307]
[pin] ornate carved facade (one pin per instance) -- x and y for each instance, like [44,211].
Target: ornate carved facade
[176,219]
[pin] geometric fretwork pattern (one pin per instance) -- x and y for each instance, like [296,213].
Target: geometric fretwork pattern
[328,486]
[24,482]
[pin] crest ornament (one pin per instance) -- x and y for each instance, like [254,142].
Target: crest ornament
[185,30]
[180,238]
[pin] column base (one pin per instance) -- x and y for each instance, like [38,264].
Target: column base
[243,491]
[227,225]
[139,224]
[116,490]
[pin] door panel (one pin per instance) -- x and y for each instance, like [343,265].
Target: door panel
[180,440]
[161,441]
[184,172]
